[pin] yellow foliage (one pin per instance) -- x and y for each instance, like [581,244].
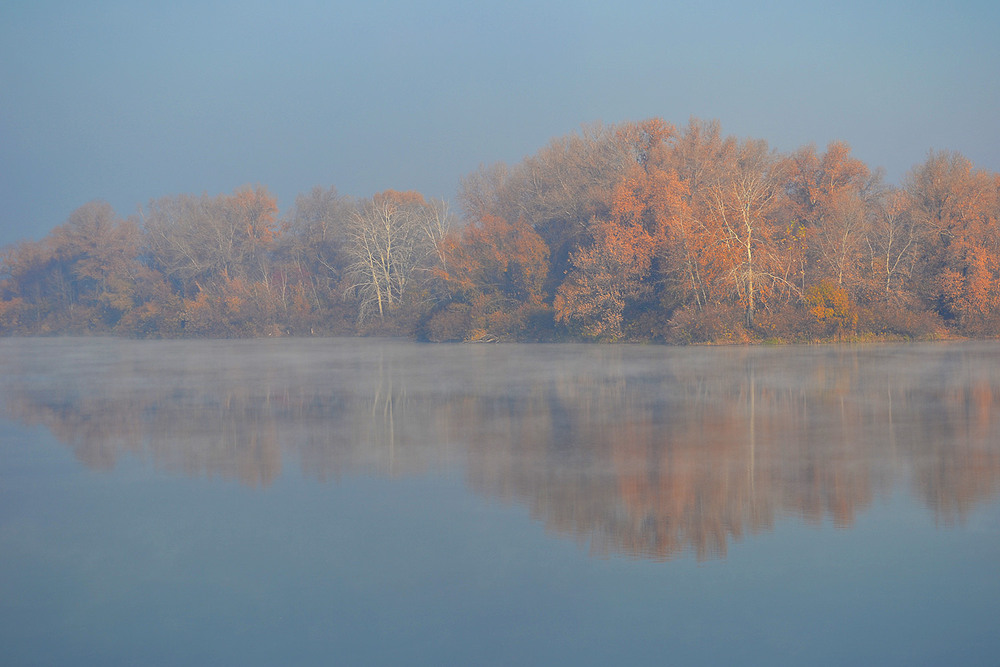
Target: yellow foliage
[831,307]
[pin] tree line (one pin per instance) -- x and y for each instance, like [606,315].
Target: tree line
[639,231]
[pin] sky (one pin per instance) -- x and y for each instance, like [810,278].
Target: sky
[131,101]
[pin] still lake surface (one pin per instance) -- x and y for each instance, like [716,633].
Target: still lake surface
[345,501]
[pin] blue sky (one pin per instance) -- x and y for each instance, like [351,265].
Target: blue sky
[130,101]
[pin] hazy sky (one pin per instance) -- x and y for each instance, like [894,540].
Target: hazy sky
[130,101]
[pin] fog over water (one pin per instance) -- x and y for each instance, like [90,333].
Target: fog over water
[387,502]
[647,451]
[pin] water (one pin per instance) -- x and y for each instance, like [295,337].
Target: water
[381,502]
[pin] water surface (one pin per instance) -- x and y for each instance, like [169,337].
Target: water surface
[367,502]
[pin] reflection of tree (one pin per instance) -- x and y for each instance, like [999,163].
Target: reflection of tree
[196,431]
[652,452]
[956,460]
[686,460]
[232,408]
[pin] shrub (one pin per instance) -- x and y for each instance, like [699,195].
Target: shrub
[715,323]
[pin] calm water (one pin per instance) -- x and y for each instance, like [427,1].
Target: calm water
[373,502]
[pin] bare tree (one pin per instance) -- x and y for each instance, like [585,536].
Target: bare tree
[194,240]
[743,201]
[893,240]
[392,238]
[315,245]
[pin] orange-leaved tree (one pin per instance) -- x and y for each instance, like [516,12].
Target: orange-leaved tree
[605,276]
[617,266]
[960,207]
[494,272]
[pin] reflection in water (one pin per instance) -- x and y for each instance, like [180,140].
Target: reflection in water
[645,451]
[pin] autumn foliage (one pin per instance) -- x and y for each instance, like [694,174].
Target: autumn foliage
[636,232]
[493,272]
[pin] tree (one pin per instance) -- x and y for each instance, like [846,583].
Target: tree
[252,214]
[200,241]
[960,267]
[893,241]
[178,240]
[313,256]
[392,241]
[836,198]
[615,268]
[831,307]
[605,276]
[83,276]
[742,202]
[217,251]
[695,259]
[485,192]
[32,276]
[561,188]
[494,272]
